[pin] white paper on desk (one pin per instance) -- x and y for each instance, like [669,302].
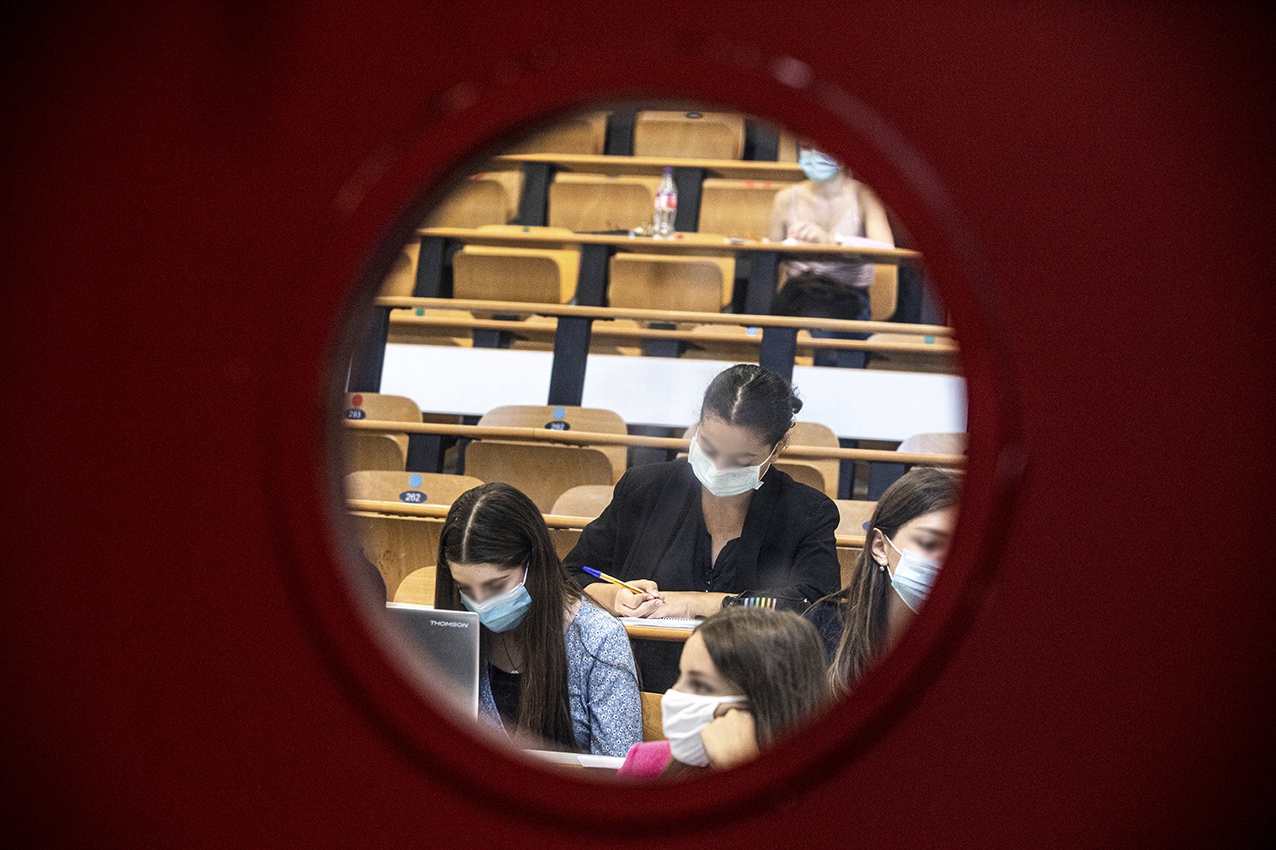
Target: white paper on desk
[661,622]
[861,242]
[582,759]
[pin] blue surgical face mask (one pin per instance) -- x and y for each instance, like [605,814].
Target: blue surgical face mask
[818,166]
[504,611]
[913,576]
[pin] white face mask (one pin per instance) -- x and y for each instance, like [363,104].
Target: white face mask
[683,716]
[913,576]
[724,482]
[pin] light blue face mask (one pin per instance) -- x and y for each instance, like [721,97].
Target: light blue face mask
[818,166]
[504,611]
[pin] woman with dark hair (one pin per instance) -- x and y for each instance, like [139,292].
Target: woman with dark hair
[695,534]
[904,549]
[748,676]
[557,670]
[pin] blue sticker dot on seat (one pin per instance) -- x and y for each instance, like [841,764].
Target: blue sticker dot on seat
[929,340]
[414,480]
[751,331]
[560,412]
[865,525]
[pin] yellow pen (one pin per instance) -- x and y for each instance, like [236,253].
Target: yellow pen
[597,574]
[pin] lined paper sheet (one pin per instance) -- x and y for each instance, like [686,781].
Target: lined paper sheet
[661,622]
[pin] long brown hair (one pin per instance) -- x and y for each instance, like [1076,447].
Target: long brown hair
[497,524]
[867,598]
[777,659]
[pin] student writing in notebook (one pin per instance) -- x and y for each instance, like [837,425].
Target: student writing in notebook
[557,670]
[694,533]
[747,676]
[905,547]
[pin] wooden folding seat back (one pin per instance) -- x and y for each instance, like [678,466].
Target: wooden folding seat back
[397,545]
[664,282]
[560,417]
[944,360]
[594,202]
[587,500]
[935,443]
[494,273]
[413,488]
[823,475]
[711,347]
[738,208]
[362,451]
[579,134]
[690,135]
[405,329]
[417,587]
[478,200]
[384,407]
[542,472]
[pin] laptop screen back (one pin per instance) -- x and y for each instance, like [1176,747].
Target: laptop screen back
[451,639]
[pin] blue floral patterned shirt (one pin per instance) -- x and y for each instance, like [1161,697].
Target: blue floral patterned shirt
[602,685]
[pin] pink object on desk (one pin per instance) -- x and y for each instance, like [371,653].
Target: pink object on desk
[646,760]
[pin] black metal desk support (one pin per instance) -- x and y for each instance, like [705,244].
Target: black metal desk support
[779,347]
[571,340]
[764,268]
[369,355]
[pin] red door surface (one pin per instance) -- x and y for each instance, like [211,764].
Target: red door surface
[192,192]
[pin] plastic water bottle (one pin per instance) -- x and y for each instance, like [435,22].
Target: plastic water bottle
[666,206]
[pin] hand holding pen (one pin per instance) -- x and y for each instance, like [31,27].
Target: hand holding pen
[636,598]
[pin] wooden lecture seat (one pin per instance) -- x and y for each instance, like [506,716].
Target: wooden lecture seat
[936,443]
[493,273]
[593,202]
[853,515]
[653,728]
[689,135]
[397,545]
[664,282]
[943,361]
[540,336]
[883,293]
[826,472]
[738,208]
[566,418]
[413,488]
[394,408]
[580,134]
[543,472]
[482,199]
[401,280]
[417,587]
[726,352]
[402,329]
[586,500]
[372,451]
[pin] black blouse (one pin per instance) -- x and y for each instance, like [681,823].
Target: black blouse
[654,529]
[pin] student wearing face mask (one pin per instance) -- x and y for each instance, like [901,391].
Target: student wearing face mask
[905,547]
[828,208]
[747,677]
[557,670]
[695,534]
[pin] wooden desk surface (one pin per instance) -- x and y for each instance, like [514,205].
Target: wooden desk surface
[658,633]
[681,243]
[786,172]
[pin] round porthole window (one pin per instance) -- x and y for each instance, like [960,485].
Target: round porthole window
[565,520]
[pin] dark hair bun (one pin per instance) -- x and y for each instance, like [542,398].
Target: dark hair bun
[756,398]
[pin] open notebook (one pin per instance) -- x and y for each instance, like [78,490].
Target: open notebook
[661,622]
